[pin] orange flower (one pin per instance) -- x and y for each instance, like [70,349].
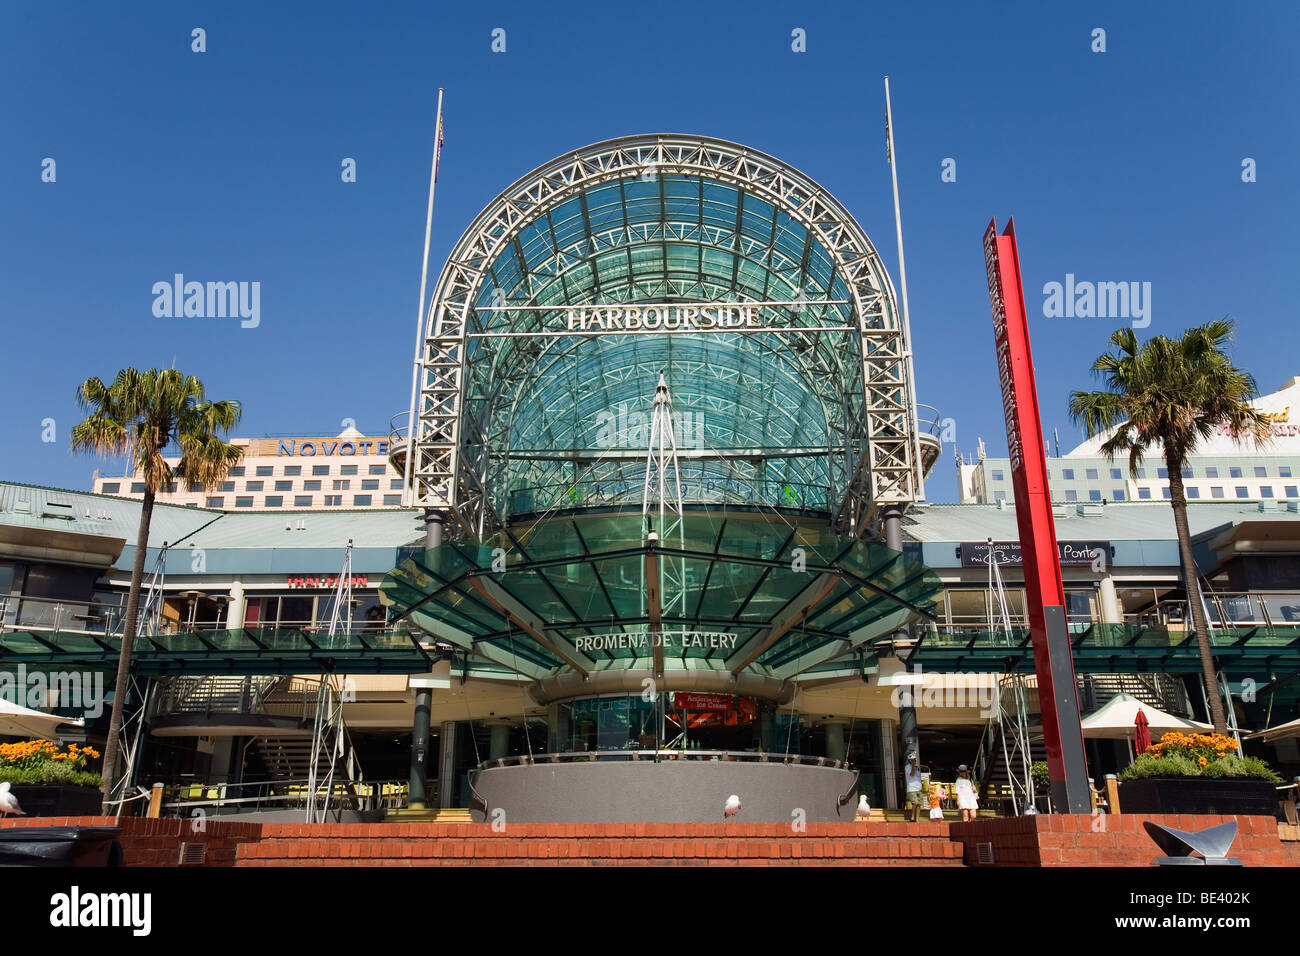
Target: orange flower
[1203,761]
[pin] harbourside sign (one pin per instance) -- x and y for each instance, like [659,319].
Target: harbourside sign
[636,318]
[682,640]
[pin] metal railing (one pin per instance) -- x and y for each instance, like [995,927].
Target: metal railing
[182,799]
[43,614]
[744,756]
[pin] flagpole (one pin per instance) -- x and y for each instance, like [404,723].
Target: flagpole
[902,277]
[407,490]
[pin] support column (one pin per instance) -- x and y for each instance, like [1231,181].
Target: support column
[499,745]
[1112,612]
[889,763]
[447,765]
[235,607]
[767,726]
[834,731]
[418,787]
[909,739]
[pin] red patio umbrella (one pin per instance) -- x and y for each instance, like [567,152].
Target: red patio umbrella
[1141,733]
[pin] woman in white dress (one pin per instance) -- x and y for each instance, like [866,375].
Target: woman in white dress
[967,802]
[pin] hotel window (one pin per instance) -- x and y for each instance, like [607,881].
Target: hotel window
[237,471]
[320,469]
[171,487]
[1291,491]
[1261,471]
[284,486]
[1211,473]
[370,484]
[1165,493]
[347,469]
[1071,495]
[310,485]
[998,475]
[217,502]
[396,484]
[1067,474]
[195,487]
[1284,471]
[137,487]
[110,487]
[1193,492]
[342,484]
[1162,472]
[1187,473]
[1142,473]
[1094,496]
[1266,491]
[265,470]
[1234,472]
[378,469]
[1116,474]
[244,502]
[1090,474]
[227,486]
[333,500]
[274,501]
[392,499]
[253,485]
[1216,491]
[302,501]
[1242,492]
[1118,494]
[997,496]
[1144,493]
[293,469]
[361,501]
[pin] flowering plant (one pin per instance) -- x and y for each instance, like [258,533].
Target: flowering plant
[1196,755]
[42,761]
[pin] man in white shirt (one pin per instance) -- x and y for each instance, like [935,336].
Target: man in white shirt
[912,781]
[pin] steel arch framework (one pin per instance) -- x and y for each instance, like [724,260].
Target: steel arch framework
[875,464]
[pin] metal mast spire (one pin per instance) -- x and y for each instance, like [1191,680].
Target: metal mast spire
[661,497]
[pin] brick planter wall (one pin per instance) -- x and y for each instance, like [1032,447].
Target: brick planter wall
[158,842]
[1121,840]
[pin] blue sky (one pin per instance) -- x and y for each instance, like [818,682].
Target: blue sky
[225,165]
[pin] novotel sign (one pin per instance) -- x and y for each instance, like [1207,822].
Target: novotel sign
[331,446]
[669,318]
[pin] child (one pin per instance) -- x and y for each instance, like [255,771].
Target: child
[936,802]
[967,800]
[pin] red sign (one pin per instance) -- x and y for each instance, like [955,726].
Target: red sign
[703,703]
[1042,567]
[358,581]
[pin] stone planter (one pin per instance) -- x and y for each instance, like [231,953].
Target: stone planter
[57,800]
[1247,796]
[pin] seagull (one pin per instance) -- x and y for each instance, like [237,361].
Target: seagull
[9,803]
[732,807]
[864,808]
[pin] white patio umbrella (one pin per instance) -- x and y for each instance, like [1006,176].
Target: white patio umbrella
[1117,720]
[1274,734]
[19,721]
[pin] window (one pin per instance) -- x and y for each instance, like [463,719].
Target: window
[1142,473]
[1162,472]
[1165,493]
[320,469]
[396,484]
[217,502]
[1291,491]
[1211,473]
[1261,471]
[253,485]
[1094,496]
[370,484]
[1071,495]
[237,471]
[342,484]
[244,502]
[284,486]
[999,475]
[1234,472]
[274,501]
[1116,474]
[293,469]
[302,501]
[1193,492]
[137,487]
[347,469]
[361,501]
[1067,474]
[171,487]
[1144,493]
[392,499]
[1216,491]
[1266,491]
[111,487]
[227,486]
[1090,474]
[265,470]
[997,496]
[378,469]
[1118,494]
[310,485]
[333,500]
[1242,492]
[1284,471]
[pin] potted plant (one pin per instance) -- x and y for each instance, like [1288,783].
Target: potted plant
[1198,773]
[49,780]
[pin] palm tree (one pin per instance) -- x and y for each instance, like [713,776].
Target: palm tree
[1167,395]
[140,416]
